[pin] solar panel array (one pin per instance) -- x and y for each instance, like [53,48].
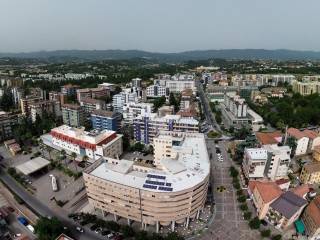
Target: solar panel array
[155,182]
[168,189]
[156,176]
[149,186]
[162,186]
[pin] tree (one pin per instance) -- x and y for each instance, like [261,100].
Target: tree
[265,233]
[74,155]
[63,155]
[49,150]
[244,207]
[6,101]
[141,235]
[247,215]
[127,231]
[276,237]
[173,236]
[85,158]
[255,223]
[48,229]
[242,198]
[292,143]
[158,102]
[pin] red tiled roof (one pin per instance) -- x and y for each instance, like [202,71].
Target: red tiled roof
[296,133]
[313,210]
[269,138]
[310,134]
[267,190]
[301,190]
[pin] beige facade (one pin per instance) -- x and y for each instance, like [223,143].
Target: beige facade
[166,193]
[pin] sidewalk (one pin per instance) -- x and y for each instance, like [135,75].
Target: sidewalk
[22,209]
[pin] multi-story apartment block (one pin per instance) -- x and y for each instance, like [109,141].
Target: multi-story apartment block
[94,144]
[234,111]
[92,93]
[106,120]
[73,115]
[132,110]
[306,88]
[302,140]
[7,122]
[254,162]
[278,161]
[17,93]
[310,173]
[285,210]
[118,100]
[58,96]
[136,82]
[69,89]
[171,191]
[316,153]
[49,106]
[259,80]
[270,161]
[91,104]
[77,76]
[263,193]
[155,91]
[26,102]
[186,99]
[311,219]
[110,86]
[147,127]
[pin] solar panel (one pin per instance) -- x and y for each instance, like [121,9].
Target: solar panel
[168,184]
[168,189]
[149,186]
[156,176]
[155,183]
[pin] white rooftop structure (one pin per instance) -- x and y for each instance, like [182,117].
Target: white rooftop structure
[257,153]
[32,165]
[188,167]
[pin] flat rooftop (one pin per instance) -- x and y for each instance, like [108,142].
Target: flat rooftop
[190,168]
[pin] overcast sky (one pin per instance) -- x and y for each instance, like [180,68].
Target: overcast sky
[158,25]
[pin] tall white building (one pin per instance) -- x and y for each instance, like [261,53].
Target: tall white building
[176,83]
[154,91]
[122,98]
[278,161]
[254,162]
[132,110]
[270,161]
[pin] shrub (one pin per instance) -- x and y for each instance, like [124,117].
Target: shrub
[276,237]
[242,198]
[233,172]
[255,223]
[237,186]
[247,215]
[265,233]
[127,231]
[240,192]
[244,207]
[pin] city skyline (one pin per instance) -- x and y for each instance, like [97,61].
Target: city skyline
[158,26]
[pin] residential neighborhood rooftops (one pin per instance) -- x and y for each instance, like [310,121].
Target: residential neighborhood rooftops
[296,133]
[288,204]
[268,190]
[310,134]
[266,138]
[313,210]
[103,113]
[312,167]
[301,190]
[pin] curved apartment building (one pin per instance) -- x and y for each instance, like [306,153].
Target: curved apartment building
[170,190]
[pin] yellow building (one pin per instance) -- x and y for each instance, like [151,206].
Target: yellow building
[310,173]
[316,153]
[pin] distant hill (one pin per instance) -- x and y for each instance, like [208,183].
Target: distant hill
[280,54]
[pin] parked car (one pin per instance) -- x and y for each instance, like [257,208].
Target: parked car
[80,229]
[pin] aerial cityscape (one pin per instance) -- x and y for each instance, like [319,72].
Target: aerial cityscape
[159,120]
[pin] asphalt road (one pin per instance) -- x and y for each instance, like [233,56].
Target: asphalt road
[206,108]
[43,210]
